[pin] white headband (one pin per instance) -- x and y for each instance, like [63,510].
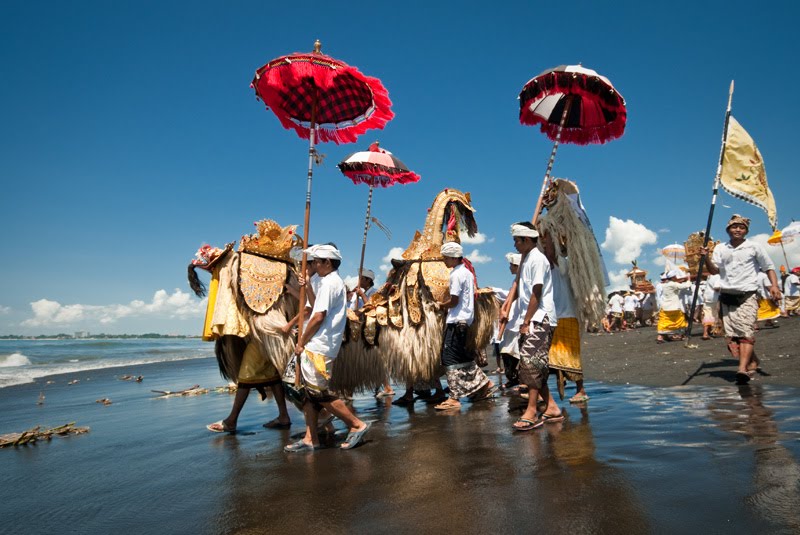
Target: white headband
[368,273]
[324,251]
[523,232]
[452,249]
[514,258]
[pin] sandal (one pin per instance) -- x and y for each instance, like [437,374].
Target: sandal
[579,398]
[527,424]
[220,427]
[299,447]
[354,438]
[553,419]
[276,424]
[486,392]
[448,404]
[742,378]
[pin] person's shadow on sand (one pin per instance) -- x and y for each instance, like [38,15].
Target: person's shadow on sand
[728,374]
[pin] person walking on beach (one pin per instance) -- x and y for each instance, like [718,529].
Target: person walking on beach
[738,263]
[672,317]
[616,302]
[710,306]
[508,328]
[536,321]
[791,293]
[629,304]
[565,348]
[464,377]
[318,347]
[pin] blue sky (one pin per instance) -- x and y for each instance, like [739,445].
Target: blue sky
[130,135]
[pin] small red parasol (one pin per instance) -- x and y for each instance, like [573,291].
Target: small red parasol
[572,104]
[375,167]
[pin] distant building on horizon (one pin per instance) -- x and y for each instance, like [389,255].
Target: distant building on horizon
[81,334]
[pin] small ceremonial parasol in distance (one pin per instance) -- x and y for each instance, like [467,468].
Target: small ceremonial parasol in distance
[322,99]
[674,252]
[572,104]
[787,235]
[375,167]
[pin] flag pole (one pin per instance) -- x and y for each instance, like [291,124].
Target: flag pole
[702,262]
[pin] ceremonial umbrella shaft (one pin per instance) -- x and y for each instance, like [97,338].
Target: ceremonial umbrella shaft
[306,219]
[702,262]
[546,181]
[364,242]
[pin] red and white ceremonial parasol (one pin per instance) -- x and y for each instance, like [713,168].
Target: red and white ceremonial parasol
[375,167]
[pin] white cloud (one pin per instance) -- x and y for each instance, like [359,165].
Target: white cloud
[477,258]
[477,239]
[776,254]
[5,310]
[626,238]
[394,252]
[179,304]
[663,230]
[618,280]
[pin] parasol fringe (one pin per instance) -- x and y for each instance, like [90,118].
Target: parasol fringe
[356,173]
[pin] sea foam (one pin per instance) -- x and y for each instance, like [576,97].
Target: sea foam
[14,360]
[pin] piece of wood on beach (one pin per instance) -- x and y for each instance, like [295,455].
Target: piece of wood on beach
[104,401]
[191,391]
[31,436]
[227,389]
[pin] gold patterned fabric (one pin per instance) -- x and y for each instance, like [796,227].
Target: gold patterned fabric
[261,281]
[565,349]
[256,368]
[213,288]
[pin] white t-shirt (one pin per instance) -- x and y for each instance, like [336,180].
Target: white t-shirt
[562,292]
[331,298]
[711,292]
[535,269]
[356,302]
[462,285]
[763,285]
[791,286]
[616,303]
[659,294]
[629,304]
[739,266]
[674,295]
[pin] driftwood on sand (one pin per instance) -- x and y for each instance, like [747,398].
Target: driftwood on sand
[31,436]
[191,391]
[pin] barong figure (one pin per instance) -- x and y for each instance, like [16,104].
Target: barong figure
[536,321]
[738,263]
[464,377]
[247,309]
[672,317]
[316,349]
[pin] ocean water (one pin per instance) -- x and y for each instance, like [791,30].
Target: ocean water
[24,361]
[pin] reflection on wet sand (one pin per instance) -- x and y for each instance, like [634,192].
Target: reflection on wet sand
[633,460]
[776,479]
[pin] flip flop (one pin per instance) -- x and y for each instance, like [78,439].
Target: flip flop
[578,399]
[299,447]
[354,438]
[742,378]
[220,427]
[529,424]
[448,404]
[276,424]
[402,402]
[488,394]
[552,419]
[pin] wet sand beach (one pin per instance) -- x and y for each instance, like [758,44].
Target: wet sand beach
[646,457]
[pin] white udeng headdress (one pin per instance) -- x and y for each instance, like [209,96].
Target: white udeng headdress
[368,273]
[324,251]
[523,231]
[452,249]
[514,258]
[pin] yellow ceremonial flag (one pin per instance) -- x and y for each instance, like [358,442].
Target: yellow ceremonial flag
[743,172]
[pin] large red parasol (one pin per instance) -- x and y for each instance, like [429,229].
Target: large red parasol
[574,105]
[321,98]
[375,167]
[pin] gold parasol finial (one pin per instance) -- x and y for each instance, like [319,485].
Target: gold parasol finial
[317,47]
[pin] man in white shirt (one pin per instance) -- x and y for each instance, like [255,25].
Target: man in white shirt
[791,292]
[464,377]
[535,323]
[616,302]
[363,290]
[738,263]
[317,348]
[710,305]
[507,331]
[629,304]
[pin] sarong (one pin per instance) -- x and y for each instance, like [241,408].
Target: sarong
[792,304]
[509,345]
[671,322]
[767,310]
[464,377]
[533,355]
[565,348]
[710,313]
[256,369]
[739,320]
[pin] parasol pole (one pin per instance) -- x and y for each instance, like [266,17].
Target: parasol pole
[702,262]
[364,242]
[306,219]
[546,181]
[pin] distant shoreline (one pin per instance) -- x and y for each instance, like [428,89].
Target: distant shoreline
[148,336]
